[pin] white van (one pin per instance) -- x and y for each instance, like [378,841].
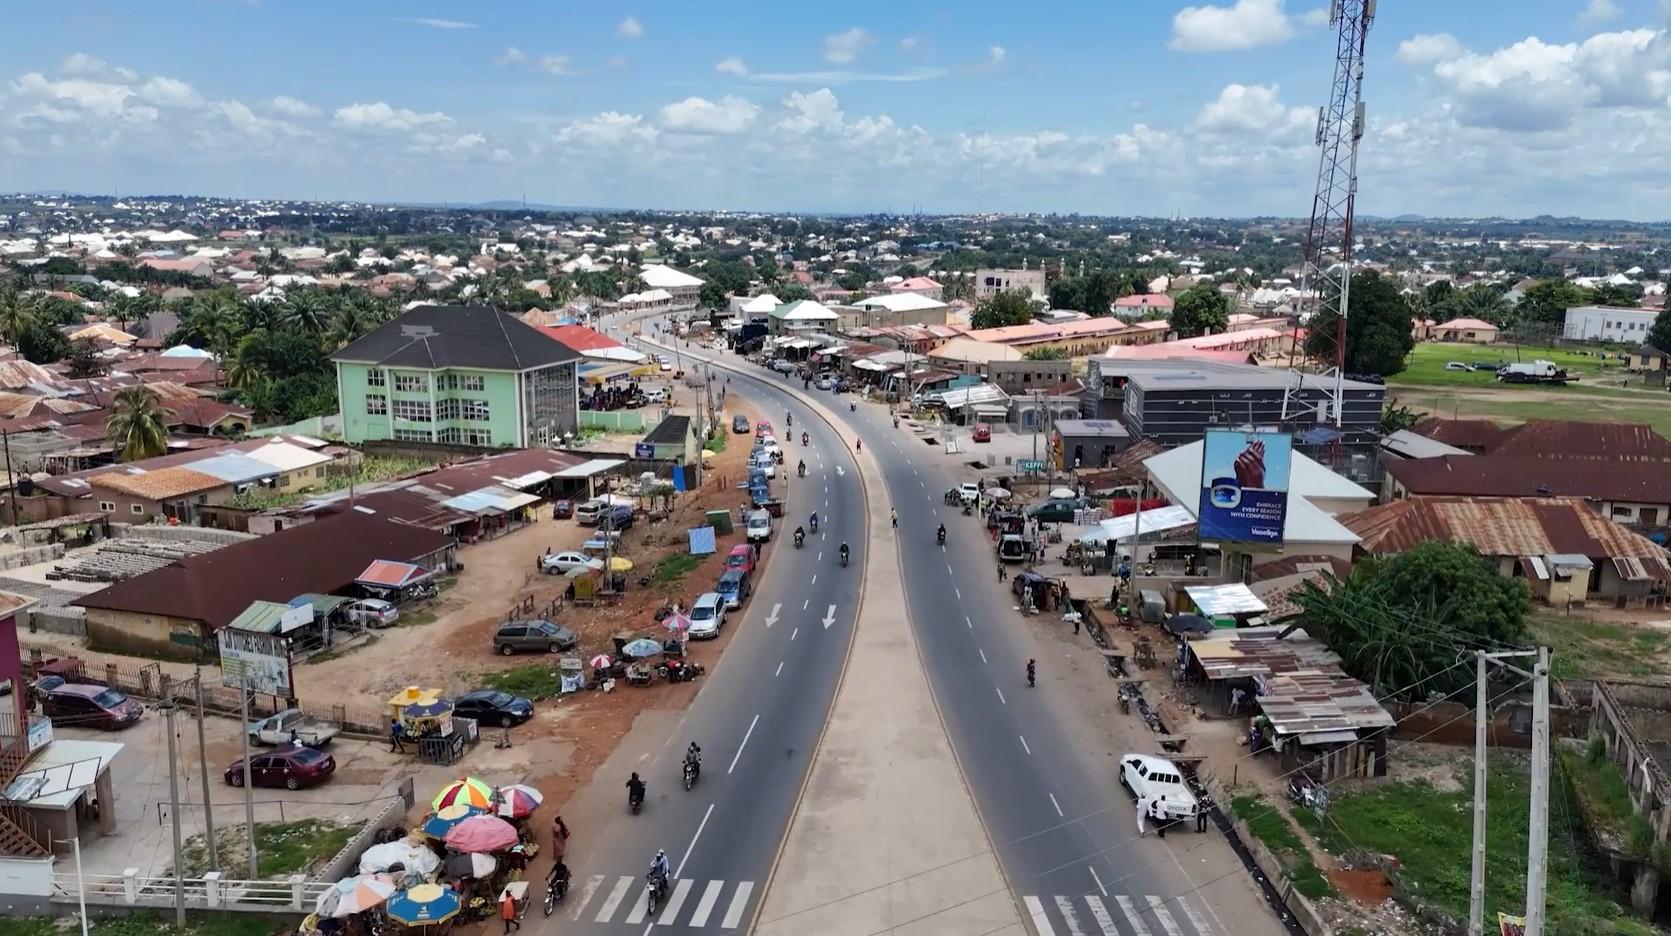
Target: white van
[1156,777]
[759,526]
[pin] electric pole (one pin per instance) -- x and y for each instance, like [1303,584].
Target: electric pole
[167,707]
[1537,848]
[203,775]
[249,784]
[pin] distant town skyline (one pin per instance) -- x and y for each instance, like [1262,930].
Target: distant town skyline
[1157,109]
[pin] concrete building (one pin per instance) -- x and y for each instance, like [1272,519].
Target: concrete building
[802,315]
[1468,330]
[684,290]
[921,285]
[897,308]
[990,282]
[1605,323]
[1087,443]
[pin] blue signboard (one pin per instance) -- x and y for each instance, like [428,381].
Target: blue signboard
[644,451]
[1244,487]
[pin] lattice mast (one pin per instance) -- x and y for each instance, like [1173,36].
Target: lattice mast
[1326,280]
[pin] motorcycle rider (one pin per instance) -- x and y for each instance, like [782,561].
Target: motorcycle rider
[801,468]
[843,553]
[635,789]
[814,521]
[659,872]
[896,422]
[557,879]
[803,439]
[788,419]
[941,533]
[693,756]
[800,535]
[1032,674]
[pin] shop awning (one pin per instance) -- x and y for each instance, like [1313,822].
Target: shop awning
[587,469]
[384,573]
[1234,598]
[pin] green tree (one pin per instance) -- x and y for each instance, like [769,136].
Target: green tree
[340,264]
[1660,334]
[1546,303]
[84,360]
[790,292]
[42,343]
[1623,297]
[306,310]
[1377,330]
[1396,417]
[138,424]
[1045,354]
[1005,307]
[1398,620]
[1200,310]
[17,313]
[1484,301]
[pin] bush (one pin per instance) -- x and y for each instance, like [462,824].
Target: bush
[1596,751]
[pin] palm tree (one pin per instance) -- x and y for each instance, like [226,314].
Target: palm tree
[307,311]
[1485,302]
[349,322]
[138,425]
[18,311]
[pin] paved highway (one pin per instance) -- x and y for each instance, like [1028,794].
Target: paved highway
[758,718]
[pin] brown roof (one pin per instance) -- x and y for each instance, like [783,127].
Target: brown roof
[1126,468]
[495,469]
[204,413]
[1472,435]
[402,505]
[321,558]
[159,485]
[1562,438]
[1529,526]
[22,405]
[1640,479]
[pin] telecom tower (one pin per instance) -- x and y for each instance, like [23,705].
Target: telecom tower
[1328,240]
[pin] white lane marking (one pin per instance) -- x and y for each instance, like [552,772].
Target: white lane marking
[779,669]
[1195,917]
[739,903]
[1023,743]
[1055,804]
[616,895]
[948,566]
[1100,914]
[807,602]
[958,592]
[640,907]
[705,906]
[1001,699]
[829,617]
[1098,879]
[815,578]
[794,633]
[982,653]
[1070,916]
[680,891]
[740,747]
[688,848]
[1040,921]
[841,472]
[970,623]
[1133,918]
[922,483]
[586,895]
[1166,922]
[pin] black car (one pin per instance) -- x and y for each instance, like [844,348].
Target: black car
[1056,510]
[493,707]
[739,425]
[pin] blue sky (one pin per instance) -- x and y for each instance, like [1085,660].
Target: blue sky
[1118,106]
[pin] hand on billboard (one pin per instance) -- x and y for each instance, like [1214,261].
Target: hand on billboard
[1250,465]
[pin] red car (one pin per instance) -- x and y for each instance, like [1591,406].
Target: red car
[290,767]
[762,429]
[983,432]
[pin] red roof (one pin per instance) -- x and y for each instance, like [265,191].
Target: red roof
[1639,480]
[390,574]
[1144,301]
[579,337]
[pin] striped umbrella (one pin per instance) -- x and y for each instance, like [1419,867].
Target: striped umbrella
[355,895]
[469,791]
[424,905]
[518,800]
[438,825]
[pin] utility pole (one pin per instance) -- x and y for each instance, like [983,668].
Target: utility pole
[11,480]
[249,783]
[203,775]
[167,707]
[1537,849]
[1476,878]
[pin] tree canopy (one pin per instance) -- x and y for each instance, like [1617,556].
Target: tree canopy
[1660,334]
[138,424]
[1005,307]
[1200,310]
[1378,328]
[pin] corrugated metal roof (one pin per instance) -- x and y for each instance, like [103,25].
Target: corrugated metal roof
[162,484]
[388,574]
[234,468]
[1315,703]
[1257,651]
[1640,479]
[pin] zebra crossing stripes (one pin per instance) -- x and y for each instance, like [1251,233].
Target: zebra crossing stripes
[624,901]
[1119,915]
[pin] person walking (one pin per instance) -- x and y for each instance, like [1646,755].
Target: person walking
[1145,808]
[395,747]
[507,912]
[1076,625]
[1003,573]
[1160,816]
[1201,814]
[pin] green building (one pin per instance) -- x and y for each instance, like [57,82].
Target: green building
[458,375]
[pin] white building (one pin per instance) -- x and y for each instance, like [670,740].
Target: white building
[988,282]
[1604,323]
[683,287]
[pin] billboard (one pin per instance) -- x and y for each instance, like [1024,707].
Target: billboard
[254,661]
[1244,487]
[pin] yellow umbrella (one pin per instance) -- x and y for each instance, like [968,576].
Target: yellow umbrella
[620,564]
[708,455]
[469,791]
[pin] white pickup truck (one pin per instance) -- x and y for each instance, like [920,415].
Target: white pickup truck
[292,725]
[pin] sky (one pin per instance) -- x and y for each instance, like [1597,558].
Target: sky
[1131,107]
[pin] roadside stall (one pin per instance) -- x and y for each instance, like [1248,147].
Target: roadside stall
[428,719]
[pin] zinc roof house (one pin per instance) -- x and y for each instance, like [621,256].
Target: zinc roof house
[458,375]
[683,289]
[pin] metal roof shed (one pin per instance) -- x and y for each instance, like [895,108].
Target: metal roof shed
[383,573]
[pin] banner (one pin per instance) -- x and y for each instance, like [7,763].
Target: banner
[1244,487]
[254,661]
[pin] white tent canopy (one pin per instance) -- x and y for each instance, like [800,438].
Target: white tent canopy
[1125,529]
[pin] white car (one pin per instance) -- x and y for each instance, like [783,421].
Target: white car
[655,395]
[770,447]
[969,492]
[373,612]
[566,561]
[707,616]
[783,365]
[1149,777]
[765,462]
[759,526]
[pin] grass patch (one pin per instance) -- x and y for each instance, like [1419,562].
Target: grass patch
[151,923]
[1270,826]
[372,469]
[1426,364]
[285,848]
[1584,648]
[673,567]
[1606,800]
[417,618]
[535,681]
[718,442]
[1430,831]
[1585,406]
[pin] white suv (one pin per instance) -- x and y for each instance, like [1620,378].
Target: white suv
[1158,778]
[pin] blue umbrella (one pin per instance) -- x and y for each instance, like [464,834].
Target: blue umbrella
[642,647]
[429,710]
[423,905]
[438,825]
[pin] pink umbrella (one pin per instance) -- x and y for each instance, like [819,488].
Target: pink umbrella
[601,661]
[482,834]
[677,622]
[518,800]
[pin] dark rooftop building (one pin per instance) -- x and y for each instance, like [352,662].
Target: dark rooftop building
[1625,489]
[470,337]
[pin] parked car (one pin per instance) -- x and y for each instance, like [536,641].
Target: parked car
[739,424]
[1146,776]
[764,461]
[741,556]
[707,616]
[537,635]
[566,561]
[292,726]
[1055,510]
[734,588]
[1455,365]
[373,612]
[493,707]
[655,394]
[618,518]
[824,383]
[587,514]
[759,527]
[968,492]
[762,429]
[288,767]
[770,447]
[562,509]
[89,706]
[982,433]
[783,366]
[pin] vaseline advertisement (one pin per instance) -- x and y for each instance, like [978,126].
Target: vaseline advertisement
[1244,486]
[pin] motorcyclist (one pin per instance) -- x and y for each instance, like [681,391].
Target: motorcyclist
[896,422]
[803,440]
[558,877]
[800,535]
[693,756]
[788,419]
[659,872]
[635,789]
[801,468]
[843,553]
[941,533]
[813,522]
[1032,673]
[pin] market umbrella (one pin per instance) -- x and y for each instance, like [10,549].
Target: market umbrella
[641,648]
[1188,625]
[410,856]
[427,709]
[677,622]
[482,834]
[424,905]
[471,865]
[469,790]
[580,570]
[997,493]
[438,825]
[1062,493]
[518,800]
[354,895]
[602,661]
[620,564]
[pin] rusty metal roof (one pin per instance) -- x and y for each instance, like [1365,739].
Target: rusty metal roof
[1306,702]
[159,485]
[1257,651]
[1563,438]
[1635,478]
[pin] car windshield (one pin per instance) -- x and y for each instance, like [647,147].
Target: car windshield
[546,627]
[498,699]
[702,612]
[110,698]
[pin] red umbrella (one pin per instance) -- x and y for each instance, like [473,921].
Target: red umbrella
[482,834]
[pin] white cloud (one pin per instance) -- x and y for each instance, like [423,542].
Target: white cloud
[908,44]
[1317,17]
[380,116]
[731,65]
[291,107]
[843,47]
[434,23]
[169,92]
[82,65]
[814,110]
[843,76]
[1428,49]
[728,115]
[1245,25]
[1599,11]
[1250,109]
[608,128]
[555,65]
[68,100]
[995,56]
[511,56]
[630,28]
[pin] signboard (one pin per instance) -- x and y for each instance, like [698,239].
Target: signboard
[40,733]
[1030,464]
[297,616]
[644,451]
[1244,487]
[254,661]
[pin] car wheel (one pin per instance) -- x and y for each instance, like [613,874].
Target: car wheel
[506,649]
[291,783]
[238,778]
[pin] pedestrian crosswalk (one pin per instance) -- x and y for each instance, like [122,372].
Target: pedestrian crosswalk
[690,902]
[1117,915]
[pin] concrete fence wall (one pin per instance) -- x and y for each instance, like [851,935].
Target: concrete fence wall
[157,532]
[71,621]
[1304,913]
[18,558]
[347,861]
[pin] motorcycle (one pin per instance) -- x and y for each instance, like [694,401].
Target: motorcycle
[844,558]
[940,536]
[678,670]
[800,539]
[635,802]
[692,770]
[554,895]
[814,523]
[655,890]
[852,407]
[803,440]
[801,469]
[425,591]
[1308,794]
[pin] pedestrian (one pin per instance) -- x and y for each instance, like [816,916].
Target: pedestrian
[1201,814]
[1160,816]
[395,747]
[1236,696]
[1002,572]
[507,912]
[1076,625]
[1145,807]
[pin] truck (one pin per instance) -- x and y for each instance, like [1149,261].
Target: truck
[1534,372]
[292,725]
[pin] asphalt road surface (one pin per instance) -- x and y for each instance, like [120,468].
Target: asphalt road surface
[757,718]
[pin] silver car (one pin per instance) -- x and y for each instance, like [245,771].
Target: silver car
[707,616]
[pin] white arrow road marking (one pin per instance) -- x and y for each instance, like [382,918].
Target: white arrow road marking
[772,618]
[841,471]
[829,617]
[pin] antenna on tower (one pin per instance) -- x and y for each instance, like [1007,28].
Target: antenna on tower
[1339,129]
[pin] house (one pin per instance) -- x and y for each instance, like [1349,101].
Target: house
[802,315]
[894,309]
[921,285]
[1143,304]
[1629,490]
[1606,323]
[1086,443]
[195,267]
[683,289]
[1648,360]
[175,611]
[990,282]
[1566,551]
[674,439]
[458,375]
[1471,330]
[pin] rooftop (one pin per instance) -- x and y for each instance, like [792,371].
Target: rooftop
[472,337]
[1634,480]
[162,484]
